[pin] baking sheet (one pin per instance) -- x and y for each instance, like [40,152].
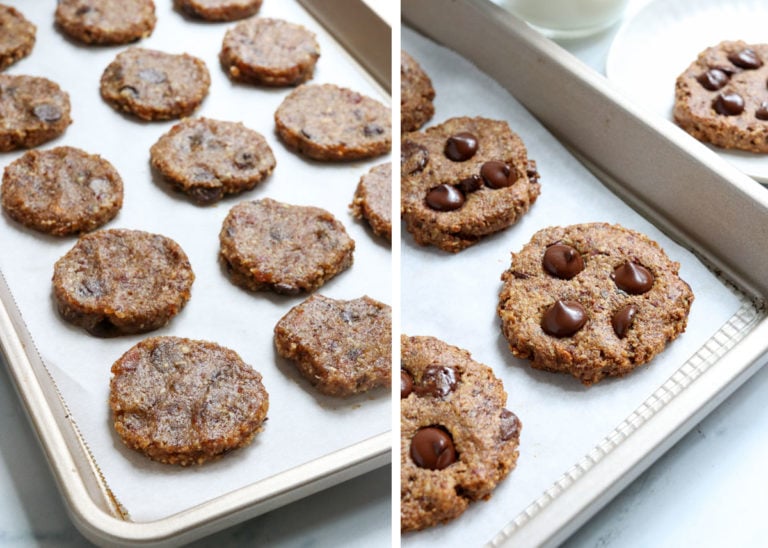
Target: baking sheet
[302,425]
[454,297]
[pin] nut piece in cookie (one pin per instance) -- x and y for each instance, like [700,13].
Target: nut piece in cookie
[341,347]
[457,439]
[181,401]
[218,10]
[593,300]
[17,37]
[464,179]
[271,246]
[118,282]
[61,191]
[331,123]
[106,22]
[373,200]
[416,94]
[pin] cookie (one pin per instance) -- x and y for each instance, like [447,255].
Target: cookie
[721,98]
[61,191]
[593,300]
[34,110]
[416,94]
[106,22]
[457,439]
[271,52]
[341,347]
[207,159]
[218,10]
[271,246]
[155,85]
[330,123]
[119,282]
[181,401]
[464,179]
[17,38]
[373,200]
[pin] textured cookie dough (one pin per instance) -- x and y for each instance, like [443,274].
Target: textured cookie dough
[416,94]
[106,22]
[457,439]
[593,300]
[181,401]
[218,10]
[17,37]
[373,200]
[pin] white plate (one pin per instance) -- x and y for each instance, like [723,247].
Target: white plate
[653,48]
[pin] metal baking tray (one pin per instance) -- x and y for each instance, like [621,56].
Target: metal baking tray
[678,185]
[355,55]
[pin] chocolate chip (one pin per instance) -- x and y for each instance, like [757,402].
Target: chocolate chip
[461,147]
[470,184]
[713,79]
[438,381]
[622,320]
[729,103]
[509,426]
[244,159]
[445,198]
[497,174]
[432,448]
[371,130]
[562,261]
[206,195]
[633,278]
[413,157]
[563,319]
[532,171]
[153,76]
[746,59]
[47,112]
[406,384]
[762,112]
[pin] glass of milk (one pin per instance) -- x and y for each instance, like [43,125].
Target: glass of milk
[567,18]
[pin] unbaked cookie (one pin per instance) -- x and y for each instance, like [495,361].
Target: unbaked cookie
[416,94]
[219,10]
[17,37]
[106,21]
[373,199]
[593,300]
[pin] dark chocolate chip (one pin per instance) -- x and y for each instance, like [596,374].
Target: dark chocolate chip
[509,426]
[432,448]
[206,195]
[729,103]
[153,76]
[406,384]
[532,171]
[470,184]
[498,174]
[438,381]
[746,59]
[47,112]
[461,147]
[622,320]
[713,79]
[244,159]
[445,198]
[762,112]
[563,319]
[633,278]
[371,130]
[413,157]
[562,261]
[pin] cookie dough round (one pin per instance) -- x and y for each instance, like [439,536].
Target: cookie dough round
[61,191]
[118,282]
[106,22]
[373,200]
[207,159]
[33,110]
[182,401]
[17,37]
[593,300]
[416,94]
[457,439]
[219,10]
[330,123]
[464,179]
[155,85]
[271,246]
[270,52]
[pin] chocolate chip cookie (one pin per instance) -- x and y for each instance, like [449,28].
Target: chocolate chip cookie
[181,401]
[341,347]
[416,94]
[61,191]
[219,10]
[457,439]
[721,98]
[106,21]
[373,200]
[464,179]
[17,37]
[593,300]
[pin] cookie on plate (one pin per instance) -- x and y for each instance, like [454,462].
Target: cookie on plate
[330,123]
[464,179]
[219,10]
[61,191]
[106,22]
[416,94]
[722,99]
[270,52]
[373,200]
[341,347]
[594,300]
[17,38]
[182,401]
[267,245]
[457,439]
[119,282]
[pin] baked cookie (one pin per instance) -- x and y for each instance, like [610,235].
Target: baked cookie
[721,98]
[181,401]
[457,439]
[120,282]
[155,85]
[61,191]
[593,300]
[207,159]
[341,347]
[416,94]
[271,246]
[218,10]
[34,110]
[106,21]
[271,52]
[17,37]
[373,199]
[464,179]
[331,123]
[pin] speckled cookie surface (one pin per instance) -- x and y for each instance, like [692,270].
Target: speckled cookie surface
[106,21]
[416,94]
[17,37]
[457,439]
[118,281]
[155,85]
[373,200]
[207,159]
[219,10]
[33,110]
[722,98]
[593,300]
[328,122]
[341,347]
[182,401]
[267,245]
[269,52]
[61,191]
[464,179]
